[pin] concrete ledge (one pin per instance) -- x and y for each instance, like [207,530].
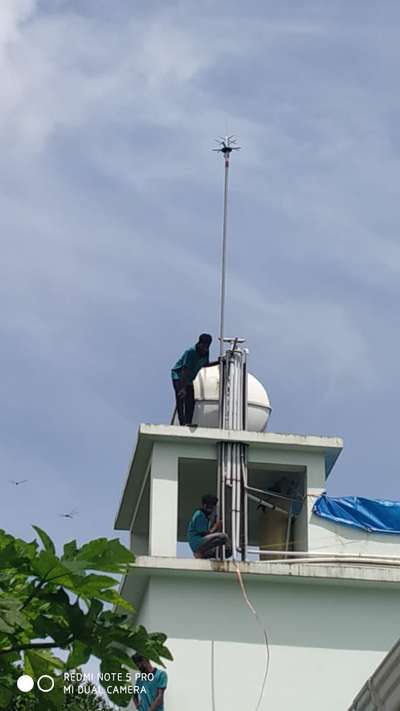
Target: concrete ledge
[356,576]
[213,434]
[329,571]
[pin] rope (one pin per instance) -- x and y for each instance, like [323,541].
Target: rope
[259,621]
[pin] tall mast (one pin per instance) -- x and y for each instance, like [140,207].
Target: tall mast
[232,459]
[226,148]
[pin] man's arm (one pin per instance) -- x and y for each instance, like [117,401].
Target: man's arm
[136,700]
[216,527]
[187,365]
[158,701]
[183,381]
[214,362]
[199,526]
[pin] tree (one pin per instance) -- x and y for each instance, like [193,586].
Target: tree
[51,603]
[72,702]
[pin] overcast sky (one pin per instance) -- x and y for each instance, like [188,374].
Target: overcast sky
[111,205]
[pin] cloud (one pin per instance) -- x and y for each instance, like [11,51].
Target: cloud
[111,223]
[65,70]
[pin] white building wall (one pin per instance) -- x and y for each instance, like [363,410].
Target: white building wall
[327,537]
[324,641]
[163,500]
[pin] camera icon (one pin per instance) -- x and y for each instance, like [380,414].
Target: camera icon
[44,683]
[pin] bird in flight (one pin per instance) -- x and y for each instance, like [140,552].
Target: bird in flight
[17,483]
[71,514]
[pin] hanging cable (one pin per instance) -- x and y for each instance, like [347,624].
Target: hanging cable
[260,623]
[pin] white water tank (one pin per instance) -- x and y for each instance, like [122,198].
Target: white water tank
[206,392]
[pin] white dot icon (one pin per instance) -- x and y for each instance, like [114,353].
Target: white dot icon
[25,683]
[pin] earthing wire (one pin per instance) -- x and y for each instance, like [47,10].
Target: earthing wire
[317,548]
[260,623]
[213,676]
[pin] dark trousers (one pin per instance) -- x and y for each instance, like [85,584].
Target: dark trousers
[184,405]
[211,543]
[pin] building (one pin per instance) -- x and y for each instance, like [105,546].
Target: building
[328,601]
[381,692]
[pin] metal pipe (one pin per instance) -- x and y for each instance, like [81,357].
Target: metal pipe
[222,366]
[308,556]
[220,470]
[223,264]
[236,401]
[243,521]
[289,526]
[244,394]
[332,559]
[223,492]
[237,496]
[266,504]
[233,503]
[231,376]
[243,453]
[275,494]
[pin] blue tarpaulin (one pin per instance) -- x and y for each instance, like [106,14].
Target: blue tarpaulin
[375,515]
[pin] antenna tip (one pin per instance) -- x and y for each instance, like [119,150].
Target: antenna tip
[227,145]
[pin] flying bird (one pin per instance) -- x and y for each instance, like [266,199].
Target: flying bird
[71,514]
[17,483]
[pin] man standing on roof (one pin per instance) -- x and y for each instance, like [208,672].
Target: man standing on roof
[204,536]
[184,372]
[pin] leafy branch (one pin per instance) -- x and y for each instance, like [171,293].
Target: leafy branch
[67,602]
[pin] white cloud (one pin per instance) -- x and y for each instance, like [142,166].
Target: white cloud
[111,204]
[64,70]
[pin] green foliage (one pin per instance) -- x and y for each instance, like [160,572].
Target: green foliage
[49,602]
[71,702]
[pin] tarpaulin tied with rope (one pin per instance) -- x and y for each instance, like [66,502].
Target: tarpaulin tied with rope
[373,515]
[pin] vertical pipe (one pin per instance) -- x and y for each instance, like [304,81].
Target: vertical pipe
[233,405]
[243,462]
[233,506]
[289,526]
[233,516]
[223,265]
[221,392]
[237,400]
[243,547]
[238,396]
[220,470]
[244,393]
[223,487]
[237,501]
[244,458]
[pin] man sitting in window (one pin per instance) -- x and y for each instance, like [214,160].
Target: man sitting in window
[205,537]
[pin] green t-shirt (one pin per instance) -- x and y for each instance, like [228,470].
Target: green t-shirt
[198,524]
[149,693]
[191,360]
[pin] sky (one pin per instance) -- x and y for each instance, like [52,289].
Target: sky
[111,210]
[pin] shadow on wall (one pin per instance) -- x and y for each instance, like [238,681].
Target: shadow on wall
[295,614]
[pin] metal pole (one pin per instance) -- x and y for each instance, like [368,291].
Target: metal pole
[227,471]
[227,145]
[223,264]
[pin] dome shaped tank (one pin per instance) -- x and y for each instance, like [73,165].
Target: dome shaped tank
[206,392]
